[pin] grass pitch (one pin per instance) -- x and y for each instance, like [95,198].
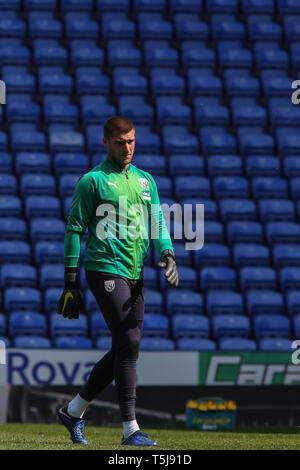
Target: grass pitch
[55,437]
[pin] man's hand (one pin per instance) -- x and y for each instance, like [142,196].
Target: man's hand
[168,262]
[70,302]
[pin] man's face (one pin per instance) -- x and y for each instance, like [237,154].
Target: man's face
[120,148]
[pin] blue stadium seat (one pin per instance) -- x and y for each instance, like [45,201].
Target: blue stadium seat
[51,275]
[219,6]
[183,301]
[156,325]
[271,325]
[230,187]
[228,30]
[210,206]
[192,56]
[235,57]
[140,113]
[31,342]
[150,277]
[8,184]
[287,115]
[118,29]
[159,56]
[15,55]
[289,278]
[264,302]
[265,31]
[28,162]
[154,302]
[122,54]
[173,113]
[6,341]
[10,206]
[237,209]
[3,141]
[15,252]
[213,231]
[2,325]
[258,165]
[17,274]
[197,186]
[257,6]
[242,86]
[295,188]
[258,277]
[244,231]
[293,302]
[76,5]
[166,84]
[22,112]
[224,302]
[60,112]
[48,252]
[180,142]
[276,209]
[92,82]
[212,254]
[49,228]
[5,162]
[221,165]
[195,344]
[12,28]
[130,84]
[291,166]
[256,144]
[296,325]
[249,115]
[40,5]
[217,277]
[287,143]
[22,323]
[191,30]
[147,5]
[45,28]
[42,206]
[98,325]
[103,342]
[268,187]
[17,82]
[230,325]
[71,163]
[204,85]
[37,184]
[154,28]
[72,342]
[113,6]
[156,344]
[271,59]
[56,82]
[251,254]
[46,54]
[286,255]
[212,115]
[28,141]
[189,326]
[18,298]
[67,141]
[277,232]
[60,326]
[85,56]
[13,228]
[147,142]
[155,164]
[81,28]
[237,344]
[184,6]
[275,344]
[218,143]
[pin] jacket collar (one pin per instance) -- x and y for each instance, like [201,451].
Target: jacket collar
[115,167]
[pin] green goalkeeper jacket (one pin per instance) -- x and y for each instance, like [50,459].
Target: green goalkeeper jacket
[121,210]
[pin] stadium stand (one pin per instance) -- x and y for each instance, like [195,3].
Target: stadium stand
[208,86]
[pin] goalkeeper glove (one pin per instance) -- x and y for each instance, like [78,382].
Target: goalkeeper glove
[168,262]
[70,302]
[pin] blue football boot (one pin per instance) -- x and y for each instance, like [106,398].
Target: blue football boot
[74,425]
[138,438]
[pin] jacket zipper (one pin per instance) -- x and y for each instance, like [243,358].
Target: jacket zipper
[135,241]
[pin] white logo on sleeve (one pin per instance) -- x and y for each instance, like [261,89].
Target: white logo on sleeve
[144,183]
[112,184]
[109,285]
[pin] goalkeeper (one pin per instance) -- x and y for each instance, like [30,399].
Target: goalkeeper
[119,205]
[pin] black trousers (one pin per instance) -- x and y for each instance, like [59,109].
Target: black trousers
[121,301]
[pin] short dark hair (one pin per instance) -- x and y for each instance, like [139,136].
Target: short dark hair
[119,124]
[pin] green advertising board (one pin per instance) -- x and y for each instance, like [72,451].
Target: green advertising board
[222,368]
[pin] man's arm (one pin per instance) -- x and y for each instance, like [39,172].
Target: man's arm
[161,238]
[83,207]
